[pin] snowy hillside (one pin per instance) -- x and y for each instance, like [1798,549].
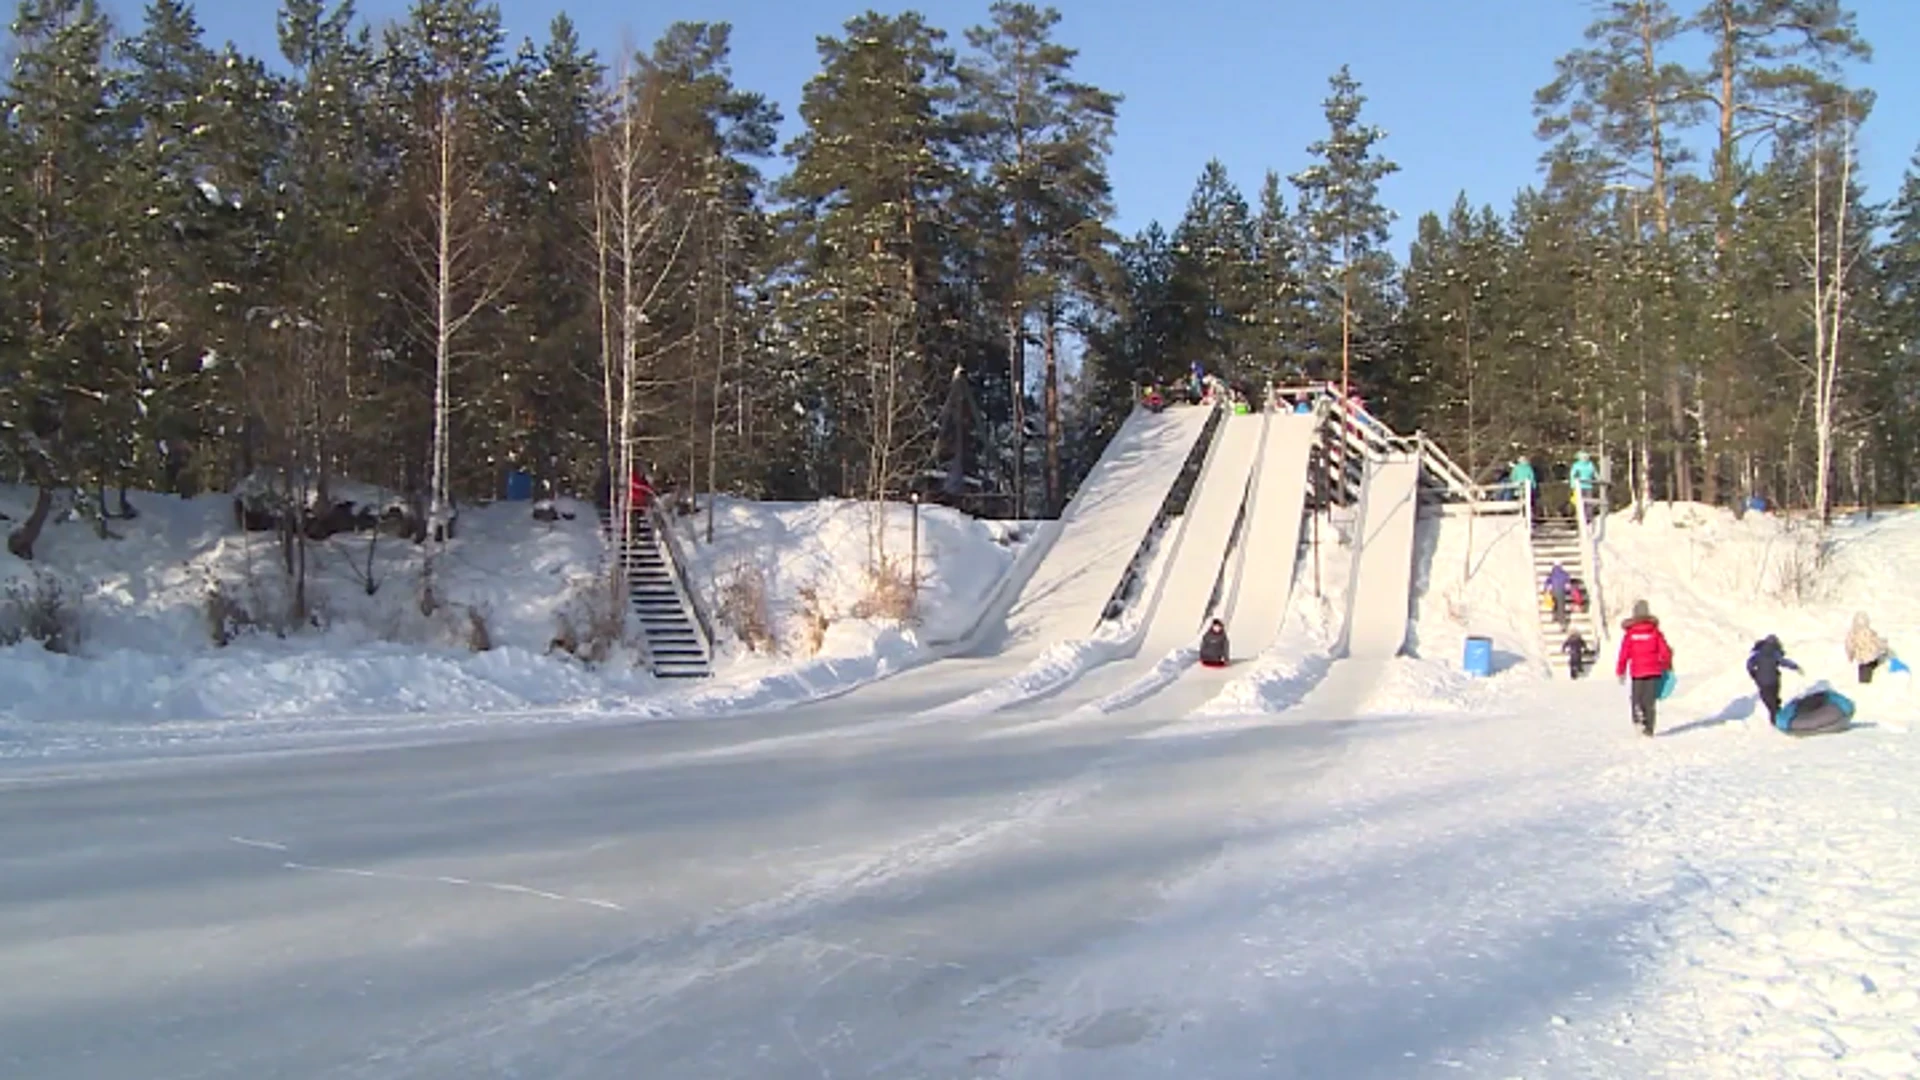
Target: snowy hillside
[1718,584]
[140,611]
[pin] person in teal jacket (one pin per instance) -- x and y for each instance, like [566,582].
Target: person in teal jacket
[1583,473]
[1520,477]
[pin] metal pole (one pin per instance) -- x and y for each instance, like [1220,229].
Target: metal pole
[913,558]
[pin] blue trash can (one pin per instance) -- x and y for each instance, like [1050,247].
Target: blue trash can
[1479,658]
[519,486]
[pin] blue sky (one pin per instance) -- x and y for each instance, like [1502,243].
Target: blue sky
[1241,80]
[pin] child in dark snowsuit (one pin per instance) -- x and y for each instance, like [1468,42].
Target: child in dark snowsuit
[1213,645]
[1579,656]
[1763,667]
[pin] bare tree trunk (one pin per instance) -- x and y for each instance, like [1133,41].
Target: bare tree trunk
[21,540]
[1052,404]
[1829,298]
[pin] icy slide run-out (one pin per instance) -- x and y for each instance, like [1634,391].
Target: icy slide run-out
[1174,607]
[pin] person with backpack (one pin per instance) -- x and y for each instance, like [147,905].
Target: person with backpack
[1645,657]
[1558,582]
[1763,667]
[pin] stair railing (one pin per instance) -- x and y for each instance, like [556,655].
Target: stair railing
[1589,569]
[663,530]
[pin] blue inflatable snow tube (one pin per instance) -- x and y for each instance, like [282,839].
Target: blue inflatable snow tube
[1667,684]
[1817,713]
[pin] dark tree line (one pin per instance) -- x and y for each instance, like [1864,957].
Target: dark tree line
[423,258]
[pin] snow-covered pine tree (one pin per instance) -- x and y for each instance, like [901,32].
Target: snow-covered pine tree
[65,407]
[870,192]
[1344,226]
[1042,137]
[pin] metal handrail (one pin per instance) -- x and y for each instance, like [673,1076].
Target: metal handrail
[663,529]
[1589,568]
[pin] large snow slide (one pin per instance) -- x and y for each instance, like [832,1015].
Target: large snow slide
[1102,528]
[1379,592]
[1269,549]
[1059,587]
[1174,608]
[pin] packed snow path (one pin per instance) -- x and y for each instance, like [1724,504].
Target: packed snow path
[831,894]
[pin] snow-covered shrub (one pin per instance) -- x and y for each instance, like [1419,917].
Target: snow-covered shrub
[742,609]
[479,637]
[590,624]
[815,619]
[37,608]
[888,594]
[1803,571]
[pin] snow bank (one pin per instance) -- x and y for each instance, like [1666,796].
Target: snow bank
[1718,583]
[803,568]
[143,658]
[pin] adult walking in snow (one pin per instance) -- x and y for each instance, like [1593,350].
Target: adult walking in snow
[1866,649]
[1763,667]
[1645,657]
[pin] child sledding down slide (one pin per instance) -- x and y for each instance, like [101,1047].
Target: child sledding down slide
[1213,645]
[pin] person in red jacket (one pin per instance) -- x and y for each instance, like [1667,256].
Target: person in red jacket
[1646,656]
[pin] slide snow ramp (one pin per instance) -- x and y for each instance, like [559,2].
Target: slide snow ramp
[1380,590]
[1175,606]
[1194,569]
[1269,550]
[1104,523]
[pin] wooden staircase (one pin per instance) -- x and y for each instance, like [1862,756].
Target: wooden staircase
[1560,540]
[673,633]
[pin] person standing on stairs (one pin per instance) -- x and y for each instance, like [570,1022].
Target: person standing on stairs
[1582,476]
[1521,478]
[639,491]
[1645,657]
[1558,581]
[1763,667]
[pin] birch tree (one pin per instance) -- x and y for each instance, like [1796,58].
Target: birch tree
[1833,253]
[448,55]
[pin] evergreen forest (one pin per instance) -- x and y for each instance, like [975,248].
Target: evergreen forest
[424,257]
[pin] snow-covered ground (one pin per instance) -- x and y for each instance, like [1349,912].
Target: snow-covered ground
[142,668]
[1453,877]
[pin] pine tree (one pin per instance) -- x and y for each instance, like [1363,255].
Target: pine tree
[548,334]
[65,407]
[1775,63]
[1216,277]
[1895,384]
[1615,115]
[708,133]
[1345,228]
[870,186]
[1276,348]
[1044,138]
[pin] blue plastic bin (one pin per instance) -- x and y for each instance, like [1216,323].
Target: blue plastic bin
[1479,658]
[519,486]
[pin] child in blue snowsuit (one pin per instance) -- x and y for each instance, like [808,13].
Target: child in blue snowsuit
[1763,667]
